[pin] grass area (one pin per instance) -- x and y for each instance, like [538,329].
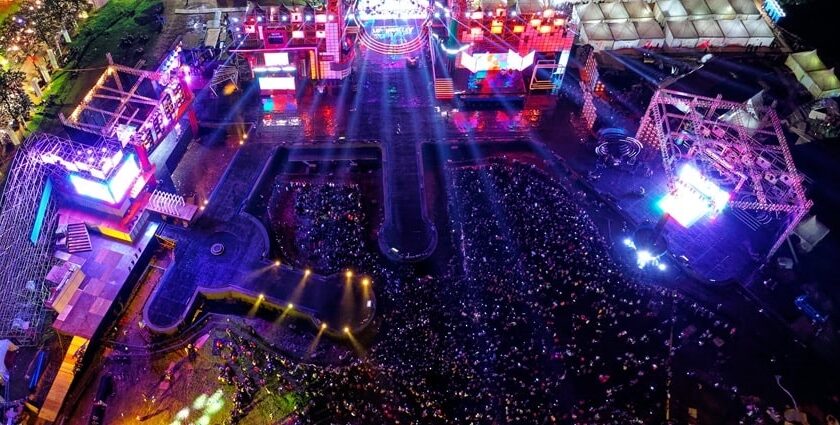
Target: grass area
[8,9]
[104,31]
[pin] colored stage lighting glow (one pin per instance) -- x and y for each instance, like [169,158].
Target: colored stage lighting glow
[90,188]
[695,197]
[124,177]
[277,83]
[392,9]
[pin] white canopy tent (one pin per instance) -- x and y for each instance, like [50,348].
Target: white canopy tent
[680,34]
[669,10]
[614,12]
[721,9]
[760,33]
[597,34]
[745,9]
[734,32]
[650,34]
[697,9]
[801,63]
[825,85]
[708,33]
[588,12]
[812,73]
[625,35]
[638,10]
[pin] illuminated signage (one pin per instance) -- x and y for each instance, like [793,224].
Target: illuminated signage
[124,178]
[276,59]
[112,190]
[390,32]
[496,61]
[91,188]
[277,83]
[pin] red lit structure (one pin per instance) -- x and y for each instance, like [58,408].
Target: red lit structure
[519,39]
[287,44]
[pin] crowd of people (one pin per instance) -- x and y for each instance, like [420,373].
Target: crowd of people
[319,225]
[253,371]
[535,324]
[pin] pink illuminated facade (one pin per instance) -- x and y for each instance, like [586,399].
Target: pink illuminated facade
[287,44]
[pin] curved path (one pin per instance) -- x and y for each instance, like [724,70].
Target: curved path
[242,272]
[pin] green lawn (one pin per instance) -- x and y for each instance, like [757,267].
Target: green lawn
[8,9]
[101,33]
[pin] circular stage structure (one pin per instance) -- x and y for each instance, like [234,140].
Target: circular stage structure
[392,27]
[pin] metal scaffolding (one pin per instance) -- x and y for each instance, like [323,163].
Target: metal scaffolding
[23,263]
[134,106]
[740,146]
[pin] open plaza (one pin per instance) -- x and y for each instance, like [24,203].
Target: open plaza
[414,211]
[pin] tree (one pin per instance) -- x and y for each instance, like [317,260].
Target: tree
[15,104]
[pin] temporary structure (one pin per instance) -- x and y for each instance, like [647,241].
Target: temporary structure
[760,33]
[625,35]
[825,84]
[734,32]
[721,9]
[669,10]
[810,70]
[638,10]
[697,9]
[708,33]
[588,12]
[614,12]
[745,9]
[680,34]
[597,34]
[802,63]
[650,34]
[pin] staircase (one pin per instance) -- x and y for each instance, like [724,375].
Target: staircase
[78,238]
[444,89]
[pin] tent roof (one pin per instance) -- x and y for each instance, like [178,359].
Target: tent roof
[638,9]
[597,31]
[721,8]
[744,7]
[825,79]
[588,12]
[708,28]
[671,8]
[681,29]
[624,31]
[733,28]
[758,28]
[614,10]
[649,29]
[809,61]
[526,6]
[696,7]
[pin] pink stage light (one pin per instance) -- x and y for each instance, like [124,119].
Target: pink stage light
[695,197]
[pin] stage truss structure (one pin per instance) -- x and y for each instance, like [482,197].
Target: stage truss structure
[26,242]
[133,105]
[740,146]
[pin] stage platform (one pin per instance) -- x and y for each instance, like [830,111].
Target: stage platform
[489,87]
[729,246]
[106,270]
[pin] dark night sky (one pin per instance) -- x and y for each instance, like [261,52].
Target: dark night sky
[818,23]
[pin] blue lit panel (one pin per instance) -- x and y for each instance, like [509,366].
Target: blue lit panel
[91,188]
[124,178]
[42,211]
